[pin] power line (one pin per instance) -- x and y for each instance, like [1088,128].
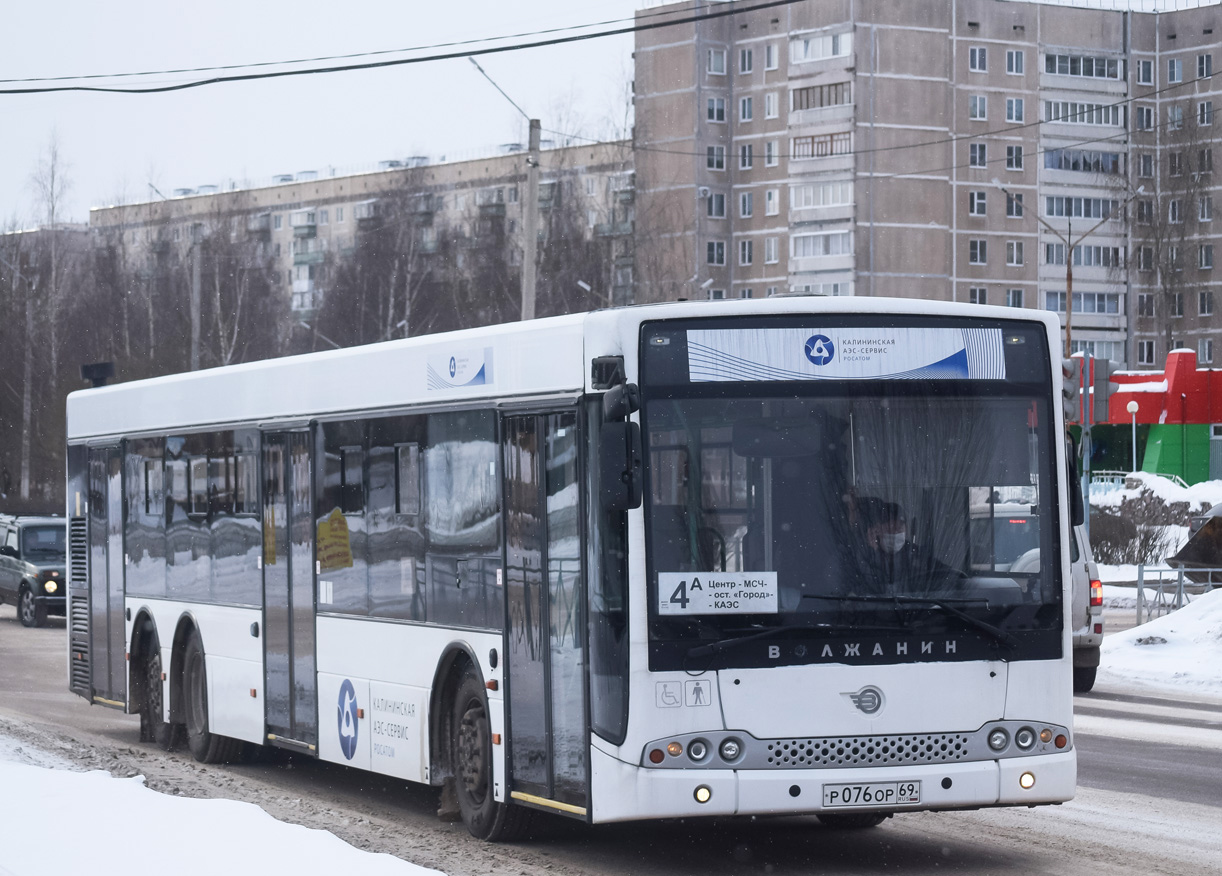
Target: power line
[731,9]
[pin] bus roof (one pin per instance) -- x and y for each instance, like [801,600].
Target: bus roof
[540,357]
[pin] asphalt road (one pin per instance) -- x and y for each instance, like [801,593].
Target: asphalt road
[1150,770]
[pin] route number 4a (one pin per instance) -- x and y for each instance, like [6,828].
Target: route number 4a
[680,597]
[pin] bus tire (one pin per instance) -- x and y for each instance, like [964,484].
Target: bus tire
[852,820]
[206,746]
[1084,678]
[153,727]
[471,756]
[32,614]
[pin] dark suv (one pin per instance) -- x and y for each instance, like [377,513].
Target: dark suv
[32,566]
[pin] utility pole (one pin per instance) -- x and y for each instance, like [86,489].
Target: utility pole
[530,224]
[196,292]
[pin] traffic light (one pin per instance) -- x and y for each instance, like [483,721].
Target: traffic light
[1103,390]
[1071,388]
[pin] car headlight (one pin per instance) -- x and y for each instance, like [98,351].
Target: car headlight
[50,586]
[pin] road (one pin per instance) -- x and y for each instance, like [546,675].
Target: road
[1150,770]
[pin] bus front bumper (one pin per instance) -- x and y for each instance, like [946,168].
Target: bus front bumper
[627,792]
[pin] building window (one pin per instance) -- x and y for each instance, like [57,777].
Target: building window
[715,158]
[822,145]
[1014,298]
[977,252]
[1205,259]
[1145,352]
[1145,165]
[339,214]
[1014,252]
[746,60]
[1077,113]
[715,205]
[1014,109]
[1177,304]
[1205,346]
[1145,304]
[1205,66]
[746,204]
[746,252]
[1205,112]
[1205,161]
[1175,163]
[1014,62]
[819,96]
[717,62]
[977,108]
[770,291]
[770,57]
[1205,304]
[1014,206]
[746,108]
[1145,118]
[276,221]
[834,243]
[1173,258]
[1175,118]
[1205,209]
[1175,70]
[977,59]
[976,203]
[1145,258]
[716,109]
[771,149]
[1175,215]
[717,294]
[1084,302]
[1087,66]
[1014,158]
[771,250]
[977,295]
[770,105]
[772,202]
[828,194]
[977,154]
[1145,72]
[1145,211]
[746,156]
[715,252]
[816,48]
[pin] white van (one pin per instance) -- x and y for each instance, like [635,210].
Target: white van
[1014,543]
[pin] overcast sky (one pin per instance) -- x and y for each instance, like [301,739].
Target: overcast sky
[114,145]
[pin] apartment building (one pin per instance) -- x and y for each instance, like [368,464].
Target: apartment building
[304,223]
[987,151]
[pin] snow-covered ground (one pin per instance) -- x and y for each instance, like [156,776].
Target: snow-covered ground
[38,789]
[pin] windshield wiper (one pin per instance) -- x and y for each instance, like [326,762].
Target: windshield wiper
[947,605]
[716,647]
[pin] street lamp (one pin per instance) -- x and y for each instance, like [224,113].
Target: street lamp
[1131,407]
[1070,242]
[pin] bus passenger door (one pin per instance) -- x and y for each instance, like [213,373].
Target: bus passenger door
[544,620]
[108,633]
[288,591]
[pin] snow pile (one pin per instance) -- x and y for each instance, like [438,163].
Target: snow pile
[1207,493]
[190,837]
[1181,650]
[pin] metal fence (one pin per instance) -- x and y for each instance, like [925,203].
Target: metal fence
[1170,589]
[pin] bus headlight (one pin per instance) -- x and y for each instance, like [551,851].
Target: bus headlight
[703,794]
[1024,738]
[1026,781]
[698,750]
[730,749]
[999,739]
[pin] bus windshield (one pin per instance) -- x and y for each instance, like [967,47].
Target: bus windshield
[794,521]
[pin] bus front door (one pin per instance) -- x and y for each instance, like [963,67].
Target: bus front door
[288,592]
[544,621]
[107,645]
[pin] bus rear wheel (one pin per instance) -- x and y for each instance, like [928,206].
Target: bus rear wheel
[471,756]
[153,727]
[206,746]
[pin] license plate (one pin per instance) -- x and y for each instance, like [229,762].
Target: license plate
[873,796]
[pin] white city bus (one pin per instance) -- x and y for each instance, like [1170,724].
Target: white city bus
[619,565]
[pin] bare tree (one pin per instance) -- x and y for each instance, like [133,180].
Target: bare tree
[51,186]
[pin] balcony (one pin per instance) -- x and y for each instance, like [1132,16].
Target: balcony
[368,214]
[613,229]
[309,258]
[304,223]
[259,225]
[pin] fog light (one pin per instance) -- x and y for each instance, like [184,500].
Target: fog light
[1045,736]
[1026,781]
[656,756]
[675,749]
[731,749]
[698,750]
[999,739]
[703,794]
[1024,738]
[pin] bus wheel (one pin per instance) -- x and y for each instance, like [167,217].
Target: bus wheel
[851,820]
[485,818]
[31,613]
[206,747]
[153,727]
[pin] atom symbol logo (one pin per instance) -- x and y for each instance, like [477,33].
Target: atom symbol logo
[819,349]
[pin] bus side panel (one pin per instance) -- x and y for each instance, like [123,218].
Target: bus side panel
[391,667]
[78,571]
